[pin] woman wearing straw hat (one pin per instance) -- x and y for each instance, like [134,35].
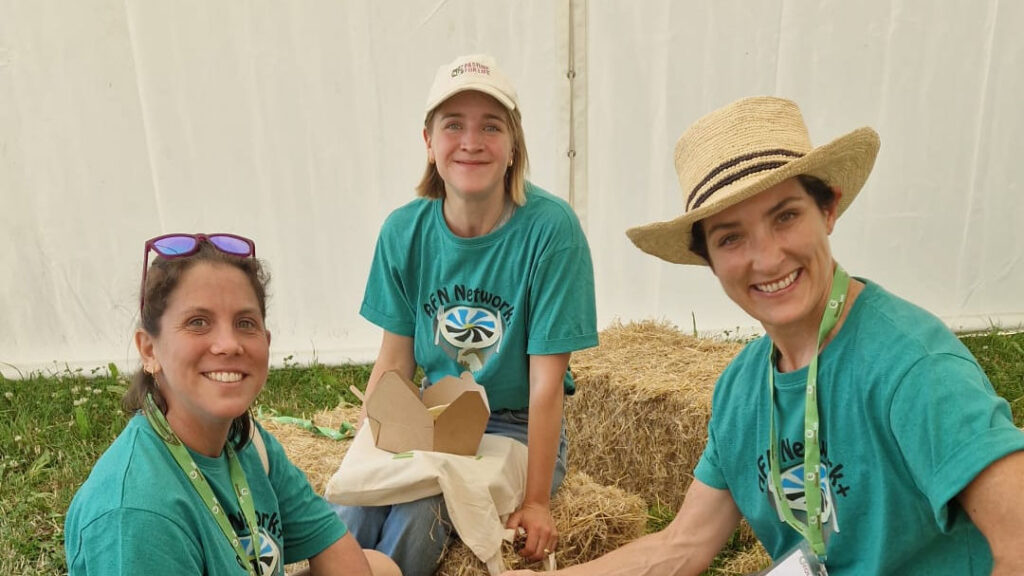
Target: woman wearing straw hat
[488,273]
[916,465]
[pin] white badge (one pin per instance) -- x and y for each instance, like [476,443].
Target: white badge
[799,562]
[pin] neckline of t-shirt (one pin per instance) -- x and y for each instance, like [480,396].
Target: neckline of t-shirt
[798,378]
[484,240]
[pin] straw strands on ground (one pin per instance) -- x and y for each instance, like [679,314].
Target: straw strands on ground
[747,561]
[317,456]
[639,418]
[591,519]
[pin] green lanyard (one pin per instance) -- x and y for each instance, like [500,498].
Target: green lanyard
[812,448]
[191,470]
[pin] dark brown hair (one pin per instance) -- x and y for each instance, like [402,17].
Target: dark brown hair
[824,196]
[162,280]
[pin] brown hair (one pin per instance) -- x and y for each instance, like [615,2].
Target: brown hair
[823,194]
[432,186]
[162,280]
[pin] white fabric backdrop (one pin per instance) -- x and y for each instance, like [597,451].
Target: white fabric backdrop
[299,124]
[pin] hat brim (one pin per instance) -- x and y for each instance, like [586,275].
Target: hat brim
[845,164]
[476,87]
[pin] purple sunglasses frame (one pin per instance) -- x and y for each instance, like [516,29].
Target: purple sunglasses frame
[210,239]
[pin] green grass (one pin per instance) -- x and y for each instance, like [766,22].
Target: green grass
[52,428]
[54,425]
[1002,357]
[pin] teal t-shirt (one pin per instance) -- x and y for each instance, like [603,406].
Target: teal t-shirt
[485,304]
[137,513]
[908,419]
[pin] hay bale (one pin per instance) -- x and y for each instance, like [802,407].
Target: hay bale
[317,456]
[747,561]
[639,418]
[591,519]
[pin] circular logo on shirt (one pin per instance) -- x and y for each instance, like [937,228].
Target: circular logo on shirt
[269,557]
[470,330]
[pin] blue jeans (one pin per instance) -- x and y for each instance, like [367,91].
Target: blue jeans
[414,534]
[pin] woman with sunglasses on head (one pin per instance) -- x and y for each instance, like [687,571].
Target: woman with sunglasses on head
[193,485]
[487,273]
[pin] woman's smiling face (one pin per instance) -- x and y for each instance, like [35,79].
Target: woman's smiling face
[471,142]
[772,256]
[213,348]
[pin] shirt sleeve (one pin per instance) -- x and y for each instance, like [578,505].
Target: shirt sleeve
[563,316]
[950,425]
[708,469]
[386,301]
[127,541]
[308,524]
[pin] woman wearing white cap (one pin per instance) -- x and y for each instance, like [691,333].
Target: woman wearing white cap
[485,272]
[916,465]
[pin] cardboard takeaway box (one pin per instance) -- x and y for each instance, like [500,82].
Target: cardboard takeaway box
[402,420]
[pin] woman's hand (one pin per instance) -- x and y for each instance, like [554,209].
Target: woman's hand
[541,533]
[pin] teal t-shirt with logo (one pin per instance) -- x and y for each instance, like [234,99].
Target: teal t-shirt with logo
[907,420]
[485,304]
[137,513]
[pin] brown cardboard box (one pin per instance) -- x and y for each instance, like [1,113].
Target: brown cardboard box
[400,419]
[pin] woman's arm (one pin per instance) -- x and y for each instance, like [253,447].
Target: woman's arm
[344,557]
[546,393]
[396,353]
[995,502]
[685,548]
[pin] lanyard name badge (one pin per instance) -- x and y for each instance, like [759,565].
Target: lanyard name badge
[811,530]
[202,487]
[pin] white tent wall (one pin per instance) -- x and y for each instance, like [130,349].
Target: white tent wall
[299,125]
[939,221]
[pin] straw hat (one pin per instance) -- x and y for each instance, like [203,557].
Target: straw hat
[477,72]
[745,148]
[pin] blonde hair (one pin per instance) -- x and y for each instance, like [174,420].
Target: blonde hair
[432,186]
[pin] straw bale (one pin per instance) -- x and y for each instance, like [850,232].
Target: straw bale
[639,418]
[747,561]
[317,456]
[591,519]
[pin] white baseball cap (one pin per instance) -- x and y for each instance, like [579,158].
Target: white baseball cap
[474,72]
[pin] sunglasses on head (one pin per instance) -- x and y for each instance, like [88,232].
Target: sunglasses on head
[171,246]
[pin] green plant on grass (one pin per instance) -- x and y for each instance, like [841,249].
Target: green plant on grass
[52,428]
[303,390]
[1002,358]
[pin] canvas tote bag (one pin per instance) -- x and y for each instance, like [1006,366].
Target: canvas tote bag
[479,491]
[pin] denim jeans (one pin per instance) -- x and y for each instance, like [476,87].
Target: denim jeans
[414,534]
